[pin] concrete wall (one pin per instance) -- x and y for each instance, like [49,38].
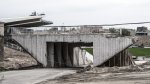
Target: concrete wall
[1,41]
[103,48]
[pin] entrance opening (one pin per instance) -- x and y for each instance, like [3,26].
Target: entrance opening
[64,54]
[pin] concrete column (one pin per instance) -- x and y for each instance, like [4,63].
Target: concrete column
[71,53]
[126,58]
[118,59]
[114,60]
[68,61]
[1,41]
[50,55]
[76,56]
[59,53]
[122,58]
[120,62]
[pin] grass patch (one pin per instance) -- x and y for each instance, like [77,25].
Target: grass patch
[140,51]
[90,50]
[134,51]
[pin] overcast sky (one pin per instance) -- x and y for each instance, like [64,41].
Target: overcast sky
[79,12]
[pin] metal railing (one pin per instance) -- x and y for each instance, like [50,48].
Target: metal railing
[13,46]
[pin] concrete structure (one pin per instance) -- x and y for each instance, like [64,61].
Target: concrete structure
[24,22]
[1,40]
[30,21]
[56,50]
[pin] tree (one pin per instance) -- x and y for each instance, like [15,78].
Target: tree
[125,32]
[112,30]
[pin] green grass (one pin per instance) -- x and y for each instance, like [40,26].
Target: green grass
[140,51]
[90,50]
[134,51]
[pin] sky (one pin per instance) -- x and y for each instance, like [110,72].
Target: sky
[80,12]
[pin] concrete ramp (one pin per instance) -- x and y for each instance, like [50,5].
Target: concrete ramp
[103,48]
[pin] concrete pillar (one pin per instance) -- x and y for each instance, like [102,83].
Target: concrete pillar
[1,41]
[70,48]
[126,58]
[76,56]
[114,60]
[120,59]
[50,55]
[68,60]
[58,50]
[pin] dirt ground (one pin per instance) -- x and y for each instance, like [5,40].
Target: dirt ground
[14,59]
[107,75]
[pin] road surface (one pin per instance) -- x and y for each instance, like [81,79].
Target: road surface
[32,76]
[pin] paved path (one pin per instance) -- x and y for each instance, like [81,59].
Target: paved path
[32,76]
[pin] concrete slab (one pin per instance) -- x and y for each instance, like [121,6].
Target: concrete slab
[32,76]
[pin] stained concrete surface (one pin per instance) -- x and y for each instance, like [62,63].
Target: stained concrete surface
[32,76]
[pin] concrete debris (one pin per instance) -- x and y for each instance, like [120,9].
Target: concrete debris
[143,41]
[147,63]
[133,68]
[87,68]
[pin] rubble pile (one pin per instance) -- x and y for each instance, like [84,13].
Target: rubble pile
[143,40]
[115,69]
[146,65]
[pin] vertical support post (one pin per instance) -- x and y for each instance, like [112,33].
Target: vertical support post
[70,48]
[123,58]
[76,56]
[50,54]
[59,53]
[120,59]
[128,58]
[68,61]
[114,60]
[109,62]
[1,41]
